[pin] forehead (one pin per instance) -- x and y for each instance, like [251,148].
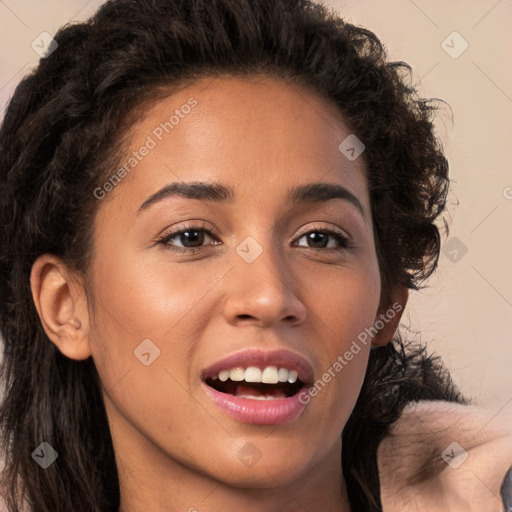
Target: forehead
[250,133]
[229,109]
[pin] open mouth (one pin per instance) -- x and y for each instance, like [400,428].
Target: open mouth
[259,388]
[268,383]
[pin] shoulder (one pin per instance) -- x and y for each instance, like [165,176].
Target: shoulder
[446,456]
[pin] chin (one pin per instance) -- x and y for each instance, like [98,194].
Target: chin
[266,475]
[265,464]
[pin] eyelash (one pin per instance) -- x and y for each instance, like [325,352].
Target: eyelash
[344,242]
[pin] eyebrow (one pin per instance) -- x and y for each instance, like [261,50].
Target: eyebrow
[307,193]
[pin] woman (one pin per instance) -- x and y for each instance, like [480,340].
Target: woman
[212,215]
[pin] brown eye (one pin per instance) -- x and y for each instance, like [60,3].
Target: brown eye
[320,239]
[186,238]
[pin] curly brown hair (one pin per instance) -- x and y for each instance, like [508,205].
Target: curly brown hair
[63,133]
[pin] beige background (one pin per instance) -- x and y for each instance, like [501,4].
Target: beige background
[466,312]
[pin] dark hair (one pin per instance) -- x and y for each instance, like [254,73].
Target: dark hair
[62,135]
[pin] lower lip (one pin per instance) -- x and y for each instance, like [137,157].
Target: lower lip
[259,412]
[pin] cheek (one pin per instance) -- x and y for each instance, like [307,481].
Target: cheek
[344,302]
[141,311]
[346,306]
[135,301]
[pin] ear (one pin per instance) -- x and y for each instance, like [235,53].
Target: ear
[62,306]
[389,315]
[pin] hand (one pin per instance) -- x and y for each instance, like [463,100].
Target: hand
[416,477]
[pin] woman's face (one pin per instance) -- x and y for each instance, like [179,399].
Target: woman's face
[263,289]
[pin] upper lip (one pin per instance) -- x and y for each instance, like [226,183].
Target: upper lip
[282,358]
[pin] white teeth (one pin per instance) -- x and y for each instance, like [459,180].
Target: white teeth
[282,375]
[224,375]
[269,375]
[253,374]
[237,374]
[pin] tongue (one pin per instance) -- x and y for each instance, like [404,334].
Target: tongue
[246,390]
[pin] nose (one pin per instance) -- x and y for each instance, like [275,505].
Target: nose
[263,292]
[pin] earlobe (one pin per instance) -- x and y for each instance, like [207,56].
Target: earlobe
[388,318]
[61,306]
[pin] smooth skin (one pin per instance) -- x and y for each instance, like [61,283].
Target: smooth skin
[175,449]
